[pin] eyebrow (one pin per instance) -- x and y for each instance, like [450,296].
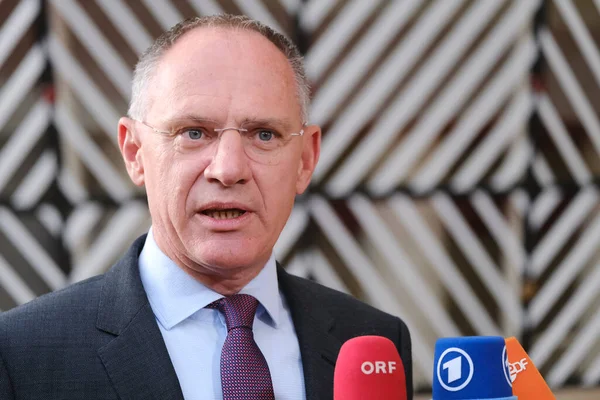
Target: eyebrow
[190,118]
[284,123]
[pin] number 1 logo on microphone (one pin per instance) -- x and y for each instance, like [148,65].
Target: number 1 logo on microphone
[454,369]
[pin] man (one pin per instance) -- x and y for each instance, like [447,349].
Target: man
[198,309]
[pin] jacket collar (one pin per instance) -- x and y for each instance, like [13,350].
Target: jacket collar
[314,326]
[137,359]
[175,296]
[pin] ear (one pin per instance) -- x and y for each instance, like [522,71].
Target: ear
[310,155]
[130,145]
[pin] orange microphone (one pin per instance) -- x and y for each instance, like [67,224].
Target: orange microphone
[527,382]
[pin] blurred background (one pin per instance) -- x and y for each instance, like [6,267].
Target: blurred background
[458,181]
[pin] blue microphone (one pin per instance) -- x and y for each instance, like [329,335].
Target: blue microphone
[473,368]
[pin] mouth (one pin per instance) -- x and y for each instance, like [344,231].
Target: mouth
[230,213]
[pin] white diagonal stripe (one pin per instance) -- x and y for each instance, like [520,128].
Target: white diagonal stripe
[592,374]
[71,187]
[206,7]
[448,272]
[36,183]
[554,335]
[292,231]
[520,201]
[256,9]
[313,13]
[584,40]
[332,41]
[164,11]
[410,102]
[296,266]
[291,6]
[50,218]
[15,26]
[92,98]
[563,140]
[502,134]
[91,155]
[20,82]
[108,245]
[571,87]
[23,139]
[566,272]
[541,171]
[497,225]
[96,44]
[576,352]
[597,3]
[506,297]
[377,290]
[79,225]
[318,266]
[372,97]
[126,22]
[514,165]
[379,293]
[13,284]
[401,266]
[473,119]
[31,250]
[344,78]
[543,206]
[446,104]
[577,213]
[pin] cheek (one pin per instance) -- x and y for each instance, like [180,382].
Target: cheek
[279,188]
[172,180]
[185,179]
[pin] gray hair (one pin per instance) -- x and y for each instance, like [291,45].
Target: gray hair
[148,62]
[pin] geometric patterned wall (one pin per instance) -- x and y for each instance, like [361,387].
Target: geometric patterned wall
[457,185]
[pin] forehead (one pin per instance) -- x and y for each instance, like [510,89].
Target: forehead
[223,73]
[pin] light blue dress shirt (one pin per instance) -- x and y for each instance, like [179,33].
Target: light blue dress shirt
[194,335]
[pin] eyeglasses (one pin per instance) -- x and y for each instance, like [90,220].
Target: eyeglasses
[262,143]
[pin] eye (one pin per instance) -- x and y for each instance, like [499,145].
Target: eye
[193,133]
[265,135]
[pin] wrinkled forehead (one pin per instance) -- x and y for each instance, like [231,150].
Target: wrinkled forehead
[218,72]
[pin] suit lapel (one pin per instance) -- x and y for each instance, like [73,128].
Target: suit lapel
[136,360]
[314,325]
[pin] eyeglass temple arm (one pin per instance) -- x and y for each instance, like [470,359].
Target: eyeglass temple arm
[304,125]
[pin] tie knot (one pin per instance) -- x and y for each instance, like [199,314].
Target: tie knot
[238,310]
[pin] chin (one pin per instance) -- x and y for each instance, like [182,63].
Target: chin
[224,257]
[228,251]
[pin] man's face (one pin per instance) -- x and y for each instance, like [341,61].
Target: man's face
[226,77]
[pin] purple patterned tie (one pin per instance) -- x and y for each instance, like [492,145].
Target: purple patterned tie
[244,371]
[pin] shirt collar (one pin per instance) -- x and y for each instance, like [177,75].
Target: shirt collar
[175,296]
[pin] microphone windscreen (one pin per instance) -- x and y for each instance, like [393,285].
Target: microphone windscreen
[369,367]
[471,368]
[528,383]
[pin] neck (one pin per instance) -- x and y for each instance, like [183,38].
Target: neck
[226,281]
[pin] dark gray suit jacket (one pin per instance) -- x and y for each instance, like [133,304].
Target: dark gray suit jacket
[99,339]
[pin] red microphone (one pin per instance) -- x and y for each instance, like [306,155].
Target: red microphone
[369,367]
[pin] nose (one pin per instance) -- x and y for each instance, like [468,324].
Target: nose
[229,165]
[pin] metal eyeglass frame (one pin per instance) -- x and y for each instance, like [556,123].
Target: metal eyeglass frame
[218,130]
